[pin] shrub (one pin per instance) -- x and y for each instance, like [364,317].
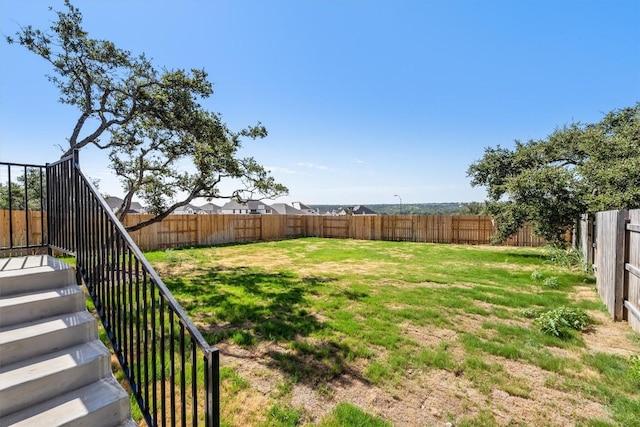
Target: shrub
[284,416]
[530,313]
[560,321]
[565,257]
[551,283]
[634,369]
[536,276]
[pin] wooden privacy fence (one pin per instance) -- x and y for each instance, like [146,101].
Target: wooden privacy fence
[27,228]
[611,243]
[202,230]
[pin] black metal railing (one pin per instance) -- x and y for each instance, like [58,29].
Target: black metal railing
[22,209]
[61,201]
[172,370]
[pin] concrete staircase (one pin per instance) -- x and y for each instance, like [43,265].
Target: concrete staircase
[54,371]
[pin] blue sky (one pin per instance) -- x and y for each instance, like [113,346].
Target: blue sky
[363,100]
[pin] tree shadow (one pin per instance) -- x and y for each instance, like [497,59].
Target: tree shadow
[247,306]
[317,363]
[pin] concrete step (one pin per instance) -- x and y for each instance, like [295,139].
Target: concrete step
[100,404]
[32,339]
[53,369]
[31,306]
[36,380]
[128,423]
[33,273]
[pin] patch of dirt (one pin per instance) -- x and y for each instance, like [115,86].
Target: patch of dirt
[432,397]
[183,268]
[606,336]
[429,336]
[419,403]
[350,267]
[609,337]
[535,409]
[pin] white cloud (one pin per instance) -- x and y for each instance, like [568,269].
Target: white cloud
[280,170]
[312,166]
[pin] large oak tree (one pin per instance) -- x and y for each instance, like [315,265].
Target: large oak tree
[149,119]
[579,168]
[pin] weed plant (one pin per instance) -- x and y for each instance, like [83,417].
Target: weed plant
[551,283]
[346,414]
[560,321]
[565,257]
[536,276]
[634,370]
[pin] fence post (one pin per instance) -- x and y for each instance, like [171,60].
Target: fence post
[47,208]
[620,252]
[26,209]
[585,239]
[212,386]
[78,249]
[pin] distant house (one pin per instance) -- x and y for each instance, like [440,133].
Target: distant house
[251,207]
[354,210]
[304,208]
[331,212]
[188,209]
[210,208]
[362,210]
[116,202]
[285,209]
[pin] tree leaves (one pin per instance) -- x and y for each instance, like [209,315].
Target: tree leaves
[162,143]
[550,182]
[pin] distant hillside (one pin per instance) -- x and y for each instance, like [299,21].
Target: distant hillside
[451,208]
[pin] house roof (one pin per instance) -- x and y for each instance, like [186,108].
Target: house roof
[252,205]
[301,206]
[285,209]
[188,208]
[362,210]
[233,204]
[115,203]
[210,207]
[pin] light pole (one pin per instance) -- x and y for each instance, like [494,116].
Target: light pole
[395,195]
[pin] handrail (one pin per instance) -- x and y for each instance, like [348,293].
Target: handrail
[145,264]
[142,318]
[173,372]
[60,205]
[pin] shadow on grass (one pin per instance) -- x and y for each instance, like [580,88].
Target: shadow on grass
[317,363]
[248,306]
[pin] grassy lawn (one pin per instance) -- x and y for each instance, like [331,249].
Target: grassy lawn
[334,332]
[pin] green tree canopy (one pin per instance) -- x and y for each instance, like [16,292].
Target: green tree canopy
[27,191]
[150,120]
[579,168]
